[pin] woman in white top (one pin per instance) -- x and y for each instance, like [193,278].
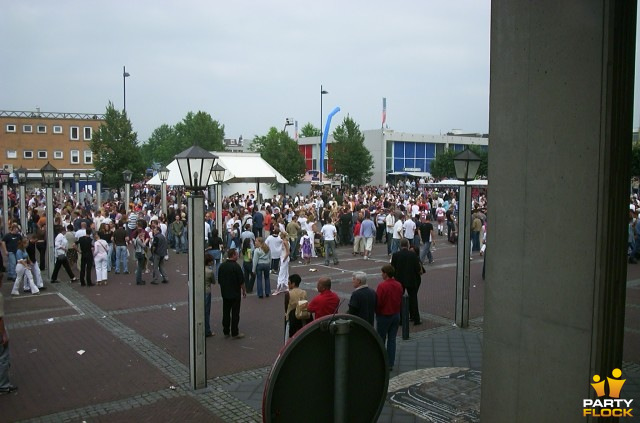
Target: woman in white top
[283,274]
[100,256]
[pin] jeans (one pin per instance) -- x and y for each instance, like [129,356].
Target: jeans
[475,241]
[139,267]
[425,251]
[330,251]
[181,244]
[389,240]
[395,245]
[387,327]
[230,315]
[158,267]
[262,272]
[295,247]
[121,258]
[217,256]
[109,257]
[207,313]
[11,265]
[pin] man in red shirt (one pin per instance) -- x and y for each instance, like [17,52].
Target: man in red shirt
[327,302]
[389,294]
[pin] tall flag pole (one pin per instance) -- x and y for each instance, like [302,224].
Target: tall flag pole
[384,111]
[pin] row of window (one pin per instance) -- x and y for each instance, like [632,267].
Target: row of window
[57,155]
[74,131]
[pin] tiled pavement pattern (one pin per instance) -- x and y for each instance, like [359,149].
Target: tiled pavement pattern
[135,367]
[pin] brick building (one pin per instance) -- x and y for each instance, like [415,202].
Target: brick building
[31,139]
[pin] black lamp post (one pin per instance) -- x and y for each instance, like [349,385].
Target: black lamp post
[4,180]
[195,165]
[466,164]
[125,75]
[126,176]
[49,174]
[163,173]
[98,176]
[218,177]
[76,179]
[22,180]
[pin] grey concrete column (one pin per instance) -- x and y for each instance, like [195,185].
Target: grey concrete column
[51,250]
[99,194]
[127,197]
[163,194]
[5,208]
[561,108]
[219,210]
[197,345]
[463,257]
[23,209]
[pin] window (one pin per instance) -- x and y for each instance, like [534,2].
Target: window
[75,156]
[28,154]
[57,129]
[87,133]
[88,157]
[42,129]
[42,154]
[12,154]
[57,154]
[27,129]
[75,133]
[11,127]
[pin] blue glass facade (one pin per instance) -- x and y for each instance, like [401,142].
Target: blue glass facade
[410,156]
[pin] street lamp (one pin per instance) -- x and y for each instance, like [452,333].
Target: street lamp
[60,188]
[466,164]
[4,180]
[98,175]
[125,75]
[22,180]
[218,177]
[163,173]
[76,179]
[195,164]
[49,174]
[322,93]
[126,176]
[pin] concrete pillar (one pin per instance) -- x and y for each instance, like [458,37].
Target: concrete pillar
[560,124]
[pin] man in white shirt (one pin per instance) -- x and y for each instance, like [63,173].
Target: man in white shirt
[329,234]
[274,242]
[390,221]
[398,230]
[409,227]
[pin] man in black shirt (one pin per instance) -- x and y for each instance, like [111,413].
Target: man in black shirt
[232,290]
[425,228]
[86,262]
[10,246]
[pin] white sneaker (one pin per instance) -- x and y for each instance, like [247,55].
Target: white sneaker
[15,293]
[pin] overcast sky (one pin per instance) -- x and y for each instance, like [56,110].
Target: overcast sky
[251,64]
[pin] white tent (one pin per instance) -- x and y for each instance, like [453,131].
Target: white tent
[240,167]
[455,182]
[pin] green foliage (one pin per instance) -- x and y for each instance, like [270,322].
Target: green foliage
[195,129]
[348,154]
[279,150]
[635,159]
[442,166]
[115,148]
[309,131]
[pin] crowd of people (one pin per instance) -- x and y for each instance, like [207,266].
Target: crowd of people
[258,237]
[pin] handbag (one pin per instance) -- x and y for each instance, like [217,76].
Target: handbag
[301,310]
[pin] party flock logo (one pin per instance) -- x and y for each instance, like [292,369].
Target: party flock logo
[613,406]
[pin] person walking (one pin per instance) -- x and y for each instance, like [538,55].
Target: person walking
[232,290]
[260,267]
[159,249]
[408,271]
[247,264]
[61,257]
[139,245]
[367,232]
[425,231]
[285,258]
[389,302]
[329,233]
[275,246]
[178,231]
[363,299]
[120,239]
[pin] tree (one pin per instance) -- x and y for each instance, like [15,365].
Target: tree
[115,148]
[348,155]
[309,131]
[195,129]
[442,166]
[161,146]
[279,150]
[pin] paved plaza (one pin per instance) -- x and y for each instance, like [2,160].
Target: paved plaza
[119,353]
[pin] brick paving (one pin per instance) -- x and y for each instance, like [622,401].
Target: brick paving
[135,341]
